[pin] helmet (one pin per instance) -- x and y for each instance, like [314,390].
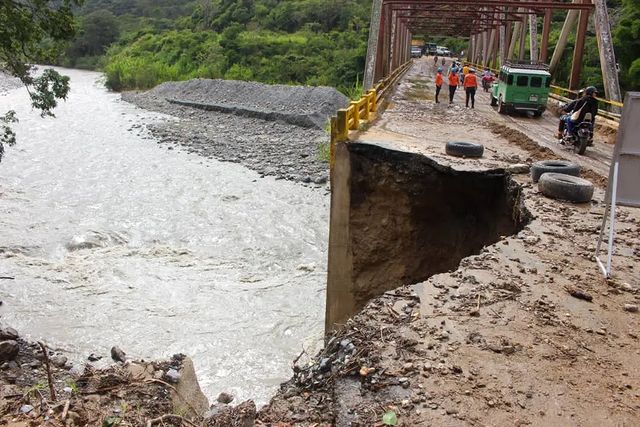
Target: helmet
[472,70]
[591,90]
[439,69]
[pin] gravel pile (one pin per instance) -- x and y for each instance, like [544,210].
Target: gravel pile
[271,148]
[299,105]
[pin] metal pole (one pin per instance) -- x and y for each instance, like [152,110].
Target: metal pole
[523,39]
[488,56]
[546,29]
[503,47]
[514,38]
[567,27]
[372,47]
[533,37]
[607,55]
[578,51]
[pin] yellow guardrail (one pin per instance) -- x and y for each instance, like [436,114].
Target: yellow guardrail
[559,90]
[361,111]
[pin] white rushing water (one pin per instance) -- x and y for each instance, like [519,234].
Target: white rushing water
[115,240]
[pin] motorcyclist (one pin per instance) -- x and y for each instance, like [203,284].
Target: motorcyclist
[487,79]
[586,104]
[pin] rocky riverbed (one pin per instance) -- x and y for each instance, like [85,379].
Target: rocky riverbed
[272,146]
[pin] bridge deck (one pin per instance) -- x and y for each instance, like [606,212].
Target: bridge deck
[415,123]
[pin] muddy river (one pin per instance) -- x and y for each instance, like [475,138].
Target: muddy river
[115,240]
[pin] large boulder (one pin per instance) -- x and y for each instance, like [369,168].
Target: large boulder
[8,350]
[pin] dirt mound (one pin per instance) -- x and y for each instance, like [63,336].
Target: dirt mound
[300,105]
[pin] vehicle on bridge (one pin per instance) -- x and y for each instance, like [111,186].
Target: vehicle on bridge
[522,86]
[443,51]
[416,51]
[431,48]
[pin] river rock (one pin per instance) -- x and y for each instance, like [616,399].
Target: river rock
[8,350]
[225,398]
[631,308]
[8,334]
[189,396]
[117,354]
[94,357]
[59,361]
[25,409]
[172,376]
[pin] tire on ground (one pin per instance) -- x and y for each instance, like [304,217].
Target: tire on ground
[565,187]
[556,166]
[464,149]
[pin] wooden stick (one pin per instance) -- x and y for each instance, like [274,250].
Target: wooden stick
[66,409]
[47,365]
[168,416]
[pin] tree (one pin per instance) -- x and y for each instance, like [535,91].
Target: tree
[627,43]
[31,31]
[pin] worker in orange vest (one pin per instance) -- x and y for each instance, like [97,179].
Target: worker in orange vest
[453,84]
[439,81]
[470,86]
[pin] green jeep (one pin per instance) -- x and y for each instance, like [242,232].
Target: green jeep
[522,87]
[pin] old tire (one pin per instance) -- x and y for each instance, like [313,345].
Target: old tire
[555,166]
[565,187]
[464,149]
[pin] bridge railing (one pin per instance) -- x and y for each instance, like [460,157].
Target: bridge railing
[362,111]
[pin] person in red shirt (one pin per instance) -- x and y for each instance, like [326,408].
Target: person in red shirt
[470,86]
[453,84]
[439,81]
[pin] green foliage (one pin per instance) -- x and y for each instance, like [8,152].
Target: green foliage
[324,152]
[30,31]
[7,135]
[627,42]
[390,418]
[312,42]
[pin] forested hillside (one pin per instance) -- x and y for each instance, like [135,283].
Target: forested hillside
[140,43]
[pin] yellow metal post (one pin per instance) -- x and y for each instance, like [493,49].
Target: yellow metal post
[332,143]
[342,125]
[353,106]
[367,107]
[372,98]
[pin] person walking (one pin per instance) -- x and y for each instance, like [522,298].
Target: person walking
[439,81]
[470,87]
[453,84]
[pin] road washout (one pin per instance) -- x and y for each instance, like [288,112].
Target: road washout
[527,332]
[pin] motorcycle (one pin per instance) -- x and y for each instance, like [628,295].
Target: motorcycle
[486,83]
[581,137]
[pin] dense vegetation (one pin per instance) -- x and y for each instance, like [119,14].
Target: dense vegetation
[140,43]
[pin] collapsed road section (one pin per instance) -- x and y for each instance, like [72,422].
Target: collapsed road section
[398,218]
